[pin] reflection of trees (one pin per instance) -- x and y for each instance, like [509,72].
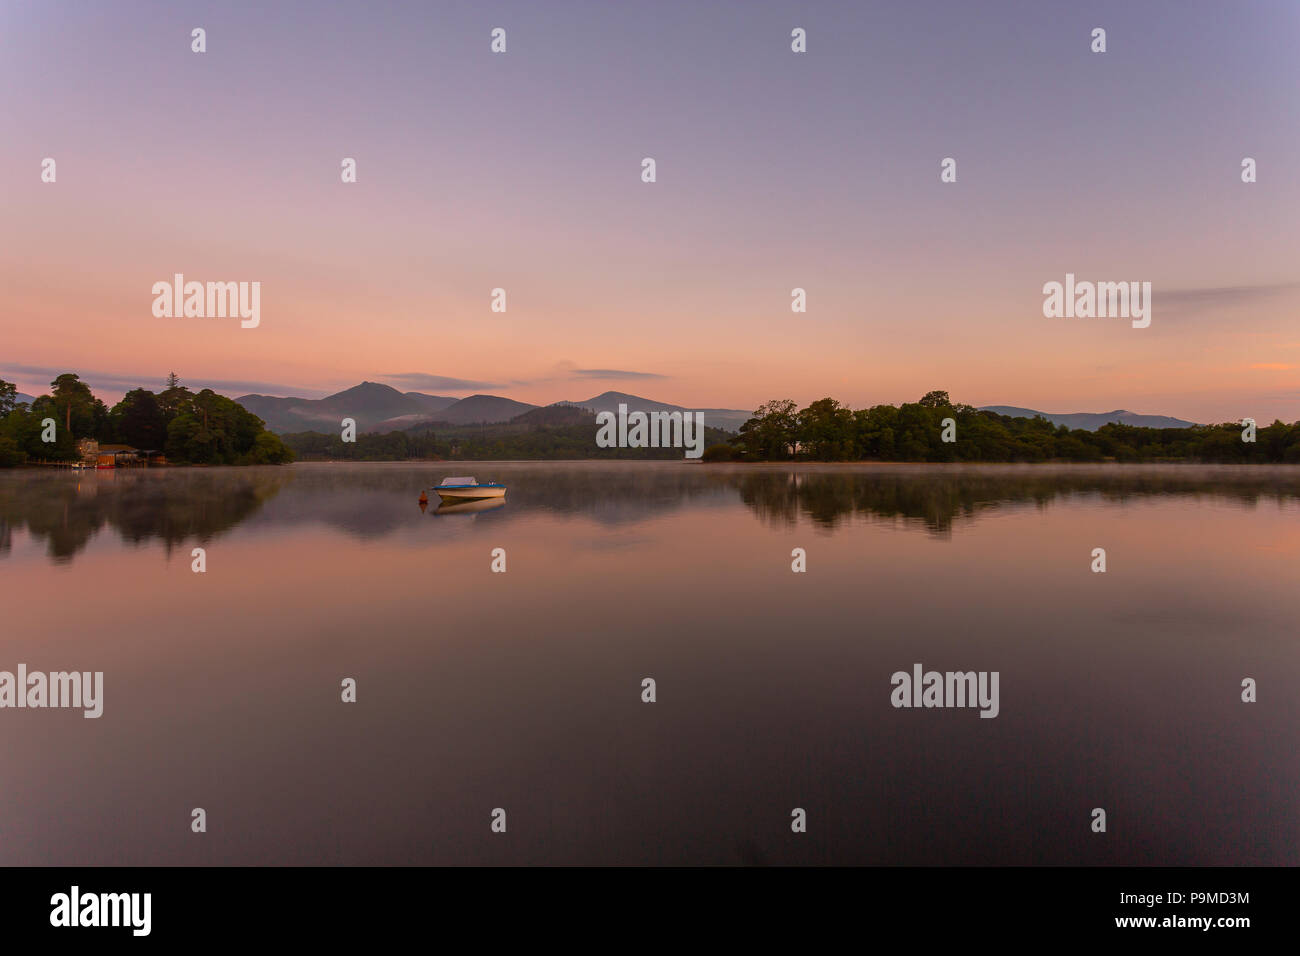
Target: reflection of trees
[174,506]
[372,500]
[935,497]
[376,500]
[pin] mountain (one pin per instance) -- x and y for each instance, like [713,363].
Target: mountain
[729,419]
[482,409]
[20,397]
[1091,421]
[434,403]
[373,406]
[381,408]
[557,414]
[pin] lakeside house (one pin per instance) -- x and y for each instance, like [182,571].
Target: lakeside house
[95,455]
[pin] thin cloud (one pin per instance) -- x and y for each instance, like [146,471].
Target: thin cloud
[1274,366]
[612,373]
[119,382]
[1196,302]
[420,380]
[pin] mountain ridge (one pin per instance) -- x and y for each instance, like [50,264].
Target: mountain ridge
[729,419]
[372,405]
[376,407]
[1091,421]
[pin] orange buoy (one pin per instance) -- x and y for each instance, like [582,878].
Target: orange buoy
[424,497]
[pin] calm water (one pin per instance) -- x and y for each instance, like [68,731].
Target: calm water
[522,690]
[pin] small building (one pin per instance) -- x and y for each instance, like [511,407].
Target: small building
[88,449]
[117,456]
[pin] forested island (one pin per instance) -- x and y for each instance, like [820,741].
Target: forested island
[186,427]
[829,431]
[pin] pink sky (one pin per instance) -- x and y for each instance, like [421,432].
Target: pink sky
[522,171]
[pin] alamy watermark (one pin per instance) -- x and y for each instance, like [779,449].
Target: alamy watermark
[212,300]
[75,908]
[55,689]
[1102,300]
[947,689]
[651,430]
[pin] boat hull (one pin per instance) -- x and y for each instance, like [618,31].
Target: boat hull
[468,493]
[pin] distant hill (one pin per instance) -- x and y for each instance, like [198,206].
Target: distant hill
[381,408]
[482,409]
[559,414]
[729,419]
[434,403]
[373,406]
[21,397]
[1091,421]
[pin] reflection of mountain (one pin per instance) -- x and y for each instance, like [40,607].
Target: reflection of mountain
[172,505]
[937,496]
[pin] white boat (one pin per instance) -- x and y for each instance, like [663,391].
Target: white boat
[455,489]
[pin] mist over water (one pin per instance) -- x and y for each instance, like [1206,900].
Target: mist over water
[522,690]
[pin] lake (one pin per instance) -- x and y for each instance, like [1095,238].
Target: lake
[478,690]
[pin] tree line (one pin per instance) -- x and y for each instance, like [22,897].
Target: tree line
[829,431]
[504,441]
[188,427]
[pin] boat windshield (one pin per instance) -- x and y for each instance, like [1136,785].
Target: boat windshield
[459,481]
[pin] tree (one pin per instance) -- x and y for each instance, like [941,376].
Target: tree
[826,430]
[174,398]
[8,397]
[12,425]
[935,399]
[874,432]
[211,429]
[268,449]
[203,428]
[138,420]
[72,397]
[773,432]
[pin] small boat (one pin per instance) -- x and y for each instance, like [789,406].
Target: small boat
[456,489]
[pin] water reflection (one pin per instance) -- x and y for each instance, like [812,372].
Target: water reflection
[173,506]
[181,506]
[523,690]
[940,497]
[468,507]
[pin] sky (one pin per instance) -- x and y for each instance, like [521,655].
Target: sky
[775,170]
